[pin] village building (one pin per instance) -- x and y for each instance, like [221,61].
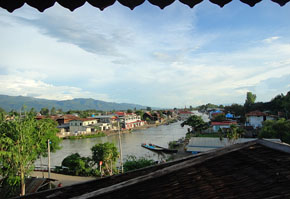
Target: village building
[82,125]
[222,125]
[107,122]
[184,115]
[129,120]
[256,118]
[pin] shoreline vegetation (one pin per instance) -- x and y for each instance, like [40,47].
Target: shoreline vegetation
[92,135]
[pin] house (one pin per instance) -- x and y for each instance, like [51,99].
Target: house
[222,125]
[256,118]
[107,122]
[213,114]
[129,120]
[184,115]
[252,170]
[82,125]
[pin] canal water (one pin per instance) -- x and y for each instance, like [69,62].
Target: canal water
[131,143]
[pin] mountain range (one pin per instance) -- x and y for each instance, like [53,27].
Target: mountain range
[16,102]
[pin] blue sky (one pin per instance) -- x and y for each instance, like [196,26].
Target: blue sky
[174,57]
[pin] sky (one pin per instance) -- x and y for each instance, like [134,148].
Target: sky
[168,58]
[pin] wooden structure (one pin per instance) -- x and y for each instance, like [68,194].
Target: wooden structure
[257,169]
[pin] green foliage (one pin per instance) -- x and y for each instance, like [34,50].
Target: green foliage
[44,111]
[100,134]
[236,109]
[250,100]
[173,145]
[133,163]
[279,129]
[108,154]
[206,106]
[53,111]
[148,108]
[196,122]
[77,165]
[232,134]
[22,141]
[219,118]
[139,112]
[129,111]
[2,110]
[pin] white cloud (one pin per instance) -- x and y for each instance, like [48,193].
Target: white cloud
[271,39]
[17,85]
[157,59]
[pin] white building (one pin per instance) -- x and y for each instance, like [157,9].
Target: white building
[83,125]
[256,118]
[129,120]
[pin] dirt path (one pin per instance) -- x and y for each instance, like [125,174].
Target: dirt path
[65,180]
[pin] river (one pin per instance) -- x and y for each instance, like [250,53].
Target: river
[131,143]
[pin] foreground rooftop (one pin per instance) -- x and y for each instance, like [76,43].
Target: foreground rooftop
[256,169]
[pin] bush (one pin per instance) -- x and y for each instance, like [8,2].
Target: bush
[279,129]
[133,163]
[77,165]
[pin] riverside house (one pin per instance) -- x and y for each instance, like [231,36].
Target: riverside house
[256,118]
[129,120]
[82,125]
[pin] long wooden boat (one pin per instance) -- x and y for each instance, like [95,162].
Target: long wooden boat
[157,148]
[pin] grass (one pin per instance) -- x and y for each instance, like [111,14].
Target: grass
[100,134]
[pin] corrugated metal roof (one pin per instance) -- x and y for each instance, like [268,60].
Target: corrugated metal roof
[41,5]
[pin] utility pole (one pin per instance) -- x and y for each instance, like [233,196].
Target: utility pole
[48,151]
[120,147]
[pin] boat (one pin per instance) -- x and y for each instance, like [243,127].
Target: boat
[157,148]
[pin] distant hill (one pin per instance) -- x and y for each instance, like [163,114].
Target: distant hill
[16,102]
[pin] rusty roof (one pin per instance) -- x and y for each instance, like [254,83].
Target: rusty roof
[41,5]
[257,169]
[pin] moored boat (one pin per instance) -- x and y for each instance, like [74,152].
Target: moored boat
[157,148]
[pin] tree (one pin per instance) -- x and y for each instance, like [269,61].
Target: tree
[149,108]
[129,111]
[232,134]
[22,141]
[250,100]
[53,111]
[219,118]
[196,122]
[33,112]
[59,111]
[2,114]
[44,111]
[279,129]
[140,113]
[2,110]
[107,153]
